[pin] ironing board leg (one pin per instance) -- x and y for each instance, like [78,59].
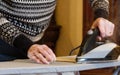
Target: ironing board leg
[67,73]
[70,73]
[117,71]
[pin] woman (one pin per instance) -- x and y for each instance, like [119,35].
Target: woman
[23,22]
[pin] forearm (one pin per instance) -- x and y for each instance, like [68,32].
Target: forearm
[100,8]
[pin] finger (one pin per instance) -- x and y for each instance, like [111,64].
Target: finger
[109,30]
[94,25]
[50,52]
[100,24]
[112,29]
[34,58]
[102,30]
[44,52]
[41,58]
[30,54]
[99,38]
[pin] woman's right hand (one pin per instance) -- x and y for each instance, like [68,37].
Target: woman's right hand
[105,26]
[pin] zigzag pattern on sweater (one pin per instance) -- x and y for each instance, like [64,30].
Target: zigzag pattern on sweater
[28,17]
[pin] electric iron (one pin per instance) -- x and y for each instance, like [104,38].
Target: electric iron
[93,51]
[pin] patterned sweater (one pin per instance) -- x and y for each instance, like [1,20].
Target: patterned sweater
[100,8]
[23,22]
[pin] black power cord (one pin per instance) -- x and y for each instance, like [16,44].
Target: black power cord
[72,50]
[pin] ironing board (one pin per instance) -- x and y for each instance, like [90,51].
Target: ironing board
[28,66]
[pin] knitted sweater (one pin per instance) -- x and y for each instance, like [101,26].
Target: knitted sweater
[23,22]
[100,8]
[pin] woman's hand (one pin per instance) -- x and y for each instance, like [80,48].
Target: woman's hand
[41,54]
[105,26]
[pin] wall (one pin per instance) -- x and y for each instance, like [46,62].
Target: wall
[69,16]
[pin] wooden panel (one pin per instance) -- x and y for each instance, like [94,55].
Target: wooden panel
[114,16]
[88,16]
[105,71]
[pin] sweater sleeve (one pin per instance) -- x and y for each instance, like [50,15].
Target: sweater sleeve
[100,8]
[11,35]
